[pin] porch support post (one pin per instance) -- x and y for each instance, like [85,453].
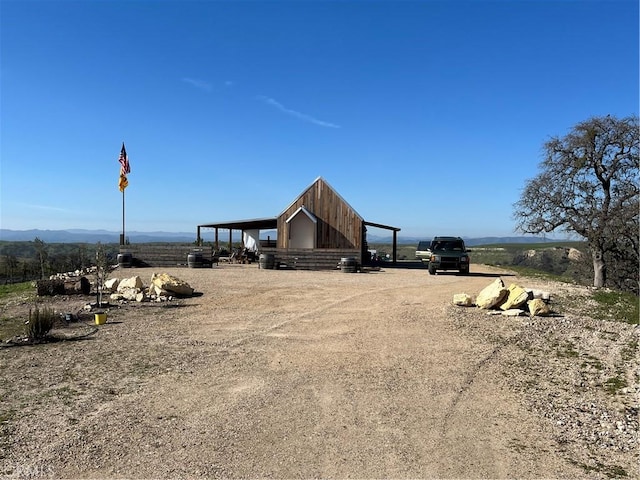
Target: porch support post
[395,246]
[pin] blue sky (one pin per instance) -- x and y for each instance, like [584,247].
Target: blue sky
[425,115]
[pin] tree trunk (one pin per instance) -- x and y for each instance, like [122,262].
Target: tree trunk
[599,268]
[50,287]
[77,286]
[80,286]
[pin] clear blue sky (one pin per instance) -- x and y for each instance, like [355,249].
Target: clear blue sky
[425,115]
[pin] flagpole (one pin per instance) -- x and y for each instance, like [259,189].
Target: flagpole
[122,236]
[124,170]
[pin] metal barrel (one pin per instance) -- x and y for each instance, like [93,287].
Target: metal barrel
[125,260]
[194,260]
[267,260]
[348,265]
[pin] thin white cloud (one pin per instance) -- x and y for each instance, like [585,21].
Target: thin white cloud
[48,208]
[293,113]
[201,84]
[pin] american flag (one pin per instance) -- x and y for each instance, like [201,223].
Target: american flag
[124,169]
[124,161]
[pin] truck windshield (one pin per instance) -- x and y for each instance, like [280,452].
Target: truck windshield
[449,246]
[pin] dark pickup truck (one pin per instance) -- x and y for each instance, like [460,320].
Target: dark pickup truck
[446,253]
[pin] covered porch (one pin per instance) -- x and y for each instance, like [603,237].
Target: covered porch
[247,228]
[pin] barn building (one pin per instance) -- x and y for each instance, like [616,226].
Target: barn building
[315,231]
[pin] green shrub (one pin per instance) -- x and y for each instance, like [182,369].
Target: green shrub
[615,384]
[616,305]
[39,324]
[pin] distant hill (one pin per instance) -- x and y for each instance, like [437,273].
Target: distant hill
[93,236]
[492,240]
[104,236]
[467,240]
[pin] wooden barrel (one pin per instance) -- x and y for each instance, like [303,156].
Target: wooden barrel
[194,260]
[348,265]
[125,260]
[267,260]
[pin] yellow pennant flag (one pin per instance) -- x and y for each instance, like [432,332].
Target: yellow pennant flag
[123,183]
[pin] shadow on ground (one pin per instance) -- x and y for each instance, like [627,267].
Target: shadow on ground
[414,265]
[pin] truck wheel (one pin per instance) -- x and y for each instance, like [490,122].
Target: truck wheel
[432,270]
[464,271]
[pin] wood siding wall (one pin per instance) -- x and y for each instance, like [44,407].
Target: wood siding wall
[339,226]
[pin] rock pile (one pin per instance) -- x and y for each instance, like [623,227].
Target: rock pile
[163,287]
[513,300]
[83,272]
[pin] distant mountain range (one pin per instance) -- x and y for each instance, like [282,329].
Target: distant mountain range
[469,241]
[93,236]
[104,236]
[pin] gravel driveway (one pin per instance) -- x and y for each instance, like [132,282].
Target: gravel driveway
[297,374]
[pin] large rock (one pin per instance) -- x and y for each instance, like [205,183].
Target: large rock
[133,283]
[537,307]
[575,255]
[463,300]
[546,296]
[128,294]
[111,285]
[155,290]
[516,297]
[492,295]
[171,284]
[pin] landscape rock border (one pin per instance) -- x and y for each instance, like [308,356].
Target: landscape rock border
[509,301]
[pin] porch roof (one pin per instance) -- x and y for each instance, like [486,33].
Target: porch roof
[250,224]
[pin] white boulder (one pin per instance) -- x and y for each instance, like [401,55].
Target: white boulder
[492,295]
[516,297]
[546,296]
[463,300]
[171,284]
[134,283]
[111,285]
[537,307]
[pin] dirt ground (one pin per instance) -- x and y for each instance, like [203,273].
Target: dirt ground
[297,374]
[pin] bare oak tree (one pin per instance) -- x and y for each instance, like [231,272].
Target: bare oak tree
[43,255]
[588,185]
